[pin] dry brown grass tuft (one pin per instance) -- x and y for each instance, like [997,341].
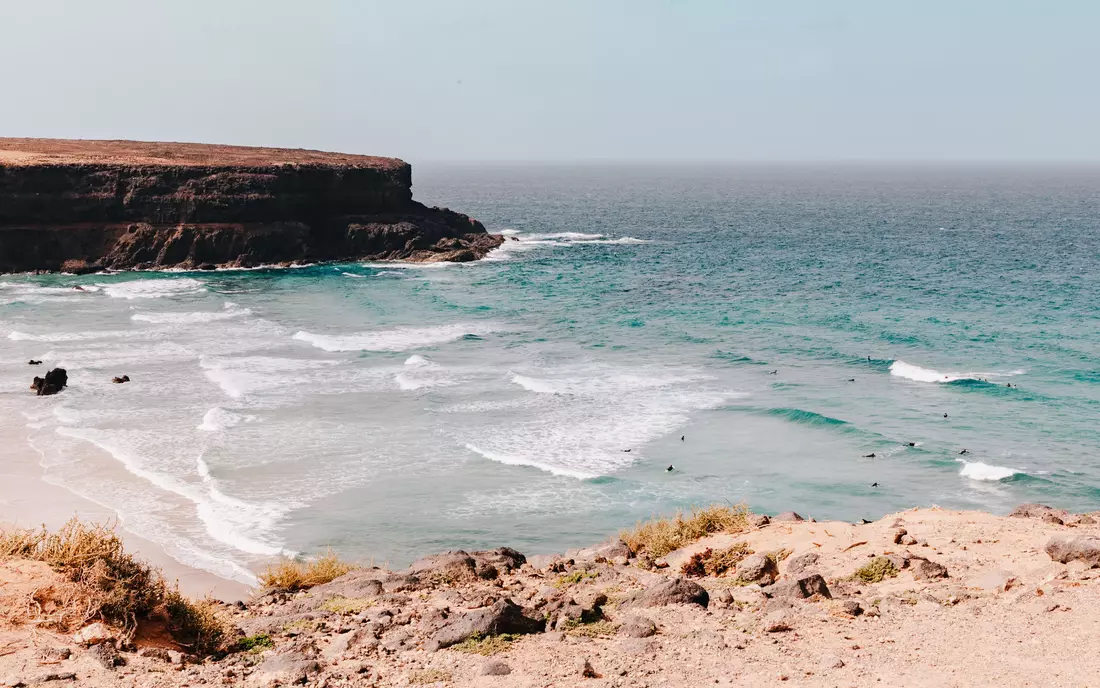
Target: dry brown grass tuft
[659,536]
[291,574]
[712,562]
[109,584]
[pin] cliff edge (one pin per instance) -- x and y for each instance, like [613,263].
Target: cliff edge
[83,206]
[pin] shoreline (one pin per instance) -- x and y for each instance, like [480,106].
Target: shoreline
[27,500]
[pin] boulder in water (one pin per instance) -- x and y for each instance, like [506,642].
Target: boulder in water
[120,380]
[55,381]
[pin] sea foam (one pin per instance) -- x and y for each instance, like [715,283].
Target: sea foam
[397,339]
[919,374]
[153,288]
[976,470]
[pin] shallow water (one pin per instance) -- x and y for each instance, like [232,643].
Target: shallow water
[785,322]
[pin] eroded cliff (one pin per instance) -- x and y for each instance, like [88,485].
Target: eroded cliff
[81,206]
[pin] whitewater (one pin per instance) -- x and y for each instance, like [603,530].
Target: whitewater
[787,338]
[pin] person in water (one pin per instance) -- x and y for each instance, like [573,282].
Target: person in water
[669,469]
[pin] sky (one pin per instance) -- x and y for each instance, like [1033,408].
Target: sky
[568,80]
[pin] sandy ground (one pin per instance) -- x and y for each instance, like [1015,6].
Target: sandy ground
[27,501]
[18,152]
[1000,612]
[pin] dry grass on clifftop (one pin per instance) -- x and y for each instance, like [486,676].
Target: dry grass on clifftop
[108,584]
[292,574]
[659,536]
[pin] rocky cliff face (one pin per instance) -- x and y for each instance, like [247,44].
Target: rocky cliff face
[81,206]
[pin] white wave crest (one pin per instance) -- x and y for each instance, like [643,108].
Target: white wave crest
[230,311]
[918,374]
[153,288]
[417,360]
[238,377]
[976,470]
[397,339]
[217,419]
[16,335]
[621,241]
[246,526]
[535,385]
[520,461]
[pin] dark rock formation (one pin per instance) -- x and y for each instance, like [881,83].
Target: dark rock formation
[83,206]
[675,591]
[55,381]
[120,380]
[504,616]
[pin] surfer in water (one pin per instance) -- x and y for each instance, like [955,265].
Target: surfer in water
[669,469]
[869,456]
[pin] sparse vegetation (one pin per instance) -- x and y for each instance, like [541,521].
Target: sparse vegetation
[659,536]
[593,629]
[255,643]
[779,555]
[112,585]
[568,579]
[712,562]
[485,645]
[428,676]
[876,570]
[347,605]
[293,574]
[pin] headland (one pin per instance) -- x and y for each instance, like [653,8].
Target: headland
[86,206]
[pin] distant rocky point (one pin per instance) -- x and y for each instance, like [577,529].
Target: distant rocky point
[85,206]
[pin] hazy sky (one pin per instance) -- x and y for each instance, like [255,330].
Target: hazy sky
[565,79]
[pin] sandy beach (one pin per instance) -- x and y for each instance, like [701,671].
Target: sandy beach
[27,500]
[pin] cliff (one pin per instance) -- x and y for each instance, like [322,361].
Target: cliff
[82,206]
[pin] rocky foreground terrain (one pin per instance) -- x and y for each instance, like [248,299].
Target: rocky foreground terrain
[86,206]
[920,598]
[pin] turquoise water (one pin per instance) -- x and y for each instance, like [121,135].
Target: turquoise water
[785,322]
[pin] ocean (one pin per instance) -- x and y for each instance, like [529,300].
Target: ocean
[782,336]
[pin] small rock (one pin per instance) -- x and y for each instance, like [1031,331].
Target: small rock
[63,676]
[832,663]
[120,380]
[924,569]
[106,654]
[1041,512]
[897,534]
[907,540]
[900,561]
[494,667]
[93,634]
[637,627]
[156,653]
[758,520]
[993,581]
[849,607]
[801,563]
[675,591]
[757,568]
[788,516]
[1084,548]
[584,668]
[53,654]
[288,668]
[724,598]
[777,622]
[801,588]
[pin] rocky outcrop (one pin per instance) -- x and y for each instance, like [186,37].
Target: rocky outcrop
[80,206]
[55,381]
